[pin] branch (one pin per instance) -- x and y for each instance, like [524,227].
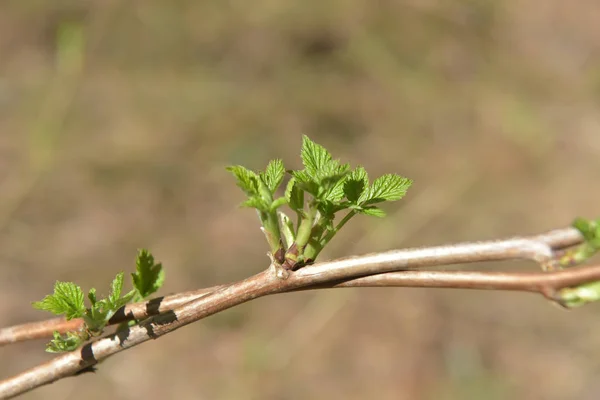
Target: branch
[369,270]
[538,248]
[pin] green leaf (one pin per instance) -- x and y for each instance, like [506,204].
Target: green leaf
[586,227]
[580,295]
[247,180]
[278,202]
[294,196]
[92,296]
[372,211]
[115,288]
[115,300]
[96,317]
[287,229]
[149,276]
[333,185]
[315,158]
[256,202]
[67,299]
[590,230]
[388,187]
[69,342]
[273,175]
[356,184]
[305,182]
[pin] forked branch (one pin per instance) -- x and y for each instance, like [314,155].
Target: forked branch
[392,268]
[538,248]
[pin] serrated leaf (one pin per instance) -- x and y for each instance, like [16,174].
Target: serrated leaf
[356,184]
[67,299]
[388,187]
[294,196]
[315,157]
[96,317]
[256,202]
[149,276]
[115,288]
[273,175]
[69,342]
[302,177]
[336,193]
[92,296]
[372,211]
[334,186]
[115,300]
[306,183]
[246,179]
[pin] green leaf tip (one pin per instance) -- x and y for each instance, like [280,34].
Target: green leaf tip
[246,179]
[315,157]
[67,299]
[149,276]
[115,299]
[389,187]
[580,295]
[273,175]
[590,230]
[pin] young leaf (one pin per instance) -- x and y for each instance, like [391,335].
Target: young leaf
[590,230]
[372,211]
[96,317]
[388,187]
[278,202]
[333,185]
[115,301]
[356,184]
[67,299]
[115,288]
[256,202]
[69,342]
[247,180]
[287,229]
[294,196]
[92,296]
[315,158]
[273,175]
[149,276]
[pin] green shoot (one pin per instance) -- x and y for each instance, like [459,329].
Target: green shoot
[260,189]
[588,292]
[68,300]
[590,230]
[315,194]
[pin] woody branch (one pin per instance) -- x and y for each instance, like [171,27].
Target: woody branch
[399,268]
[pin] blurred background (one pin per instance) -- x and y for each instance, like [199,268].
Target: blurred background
[117,119]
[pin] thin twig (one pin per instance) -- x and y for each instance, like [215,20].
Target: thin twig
[545,283]
[369,270]
[538,248]
[134,311]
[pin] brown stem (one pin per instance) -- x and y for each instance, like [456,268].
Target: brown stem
[134,311]
[538,247]
[368,270]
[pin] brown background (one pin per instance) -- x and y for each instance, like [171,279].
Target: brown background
[118,117]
